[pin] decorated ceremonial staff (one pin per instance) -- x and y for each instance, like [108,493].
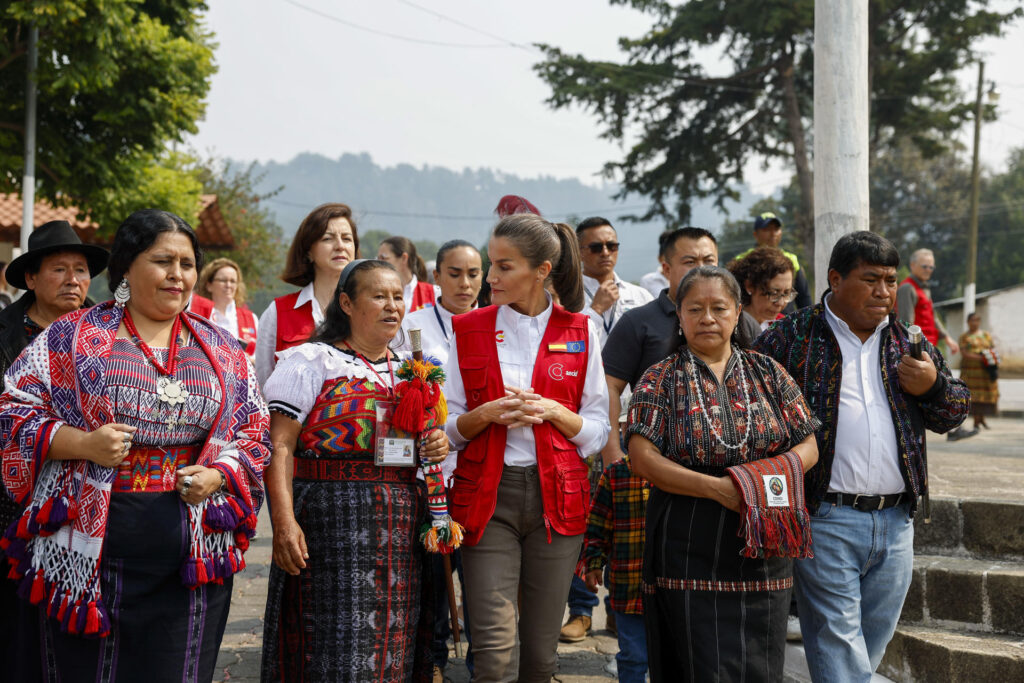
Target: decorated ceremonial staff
[419,396]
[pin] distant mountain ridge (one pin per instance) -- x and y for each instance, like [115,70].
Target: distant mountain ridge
[439,204]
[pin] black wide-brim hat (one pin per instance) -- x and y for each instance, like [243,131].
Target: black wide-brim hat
[50,238]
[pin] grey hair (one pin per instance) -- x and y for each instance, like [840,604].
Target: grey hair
[919,253]
[709,273]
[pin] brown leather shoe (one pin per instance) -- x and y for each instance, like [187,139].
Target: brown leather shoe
[575,629]
[438,676]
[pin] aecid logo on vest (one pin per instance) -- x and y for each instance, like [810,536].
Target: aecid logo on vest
[557,371]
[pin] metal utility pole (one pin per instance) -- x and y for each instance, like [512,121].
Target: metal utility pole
[841,113]
[28,182]
[970,289]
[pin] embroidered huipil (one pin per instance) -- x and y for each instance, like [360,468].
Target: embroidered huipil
[807,348]
[615,535]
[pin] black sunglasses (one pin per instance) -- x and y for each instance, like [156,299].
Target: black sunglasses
[598,247]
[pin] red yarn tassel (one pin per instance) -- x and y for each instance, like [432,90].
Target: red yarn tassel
[92,621]
[63,606]
[409,415]
[38,589]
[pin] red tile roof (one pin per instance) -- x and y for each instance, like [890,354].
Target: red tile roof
[213,231]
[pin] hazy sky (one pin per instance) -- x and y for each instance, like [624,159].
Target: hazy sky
[292,80]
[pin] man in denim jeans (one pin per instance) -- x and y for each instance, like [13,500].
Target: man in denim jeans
[852,359]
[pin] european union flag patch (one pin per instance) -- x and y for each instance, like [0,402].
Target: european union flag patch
[569,347]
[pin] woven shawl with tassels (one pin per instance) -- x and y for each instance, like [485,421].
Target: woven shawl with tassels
[773,531]
[54,548]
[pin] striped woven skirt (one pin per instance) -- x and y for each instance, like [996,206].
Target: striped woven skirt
[710,614]
[161,630]
[356,612]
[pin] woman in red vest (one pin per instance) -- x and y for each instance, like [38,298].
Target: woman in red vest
[324,244]
[401,253]
[527,399]
[221,299]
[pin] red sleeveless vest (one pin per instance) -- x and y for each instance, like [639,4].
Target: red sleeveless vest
[294,325]
[422,296]
[246,321]
[924,313]
[558,375]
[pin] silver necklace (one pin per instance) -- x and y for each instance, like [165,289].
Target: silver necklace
[704,411]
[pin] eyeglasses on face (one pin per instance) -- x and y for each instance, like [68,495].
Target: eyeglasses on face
[775,295]
[598,247]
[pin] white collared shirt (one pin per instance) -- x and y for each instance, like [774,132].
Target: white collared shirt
[866,453]
[407,292]
[654,282]
[266,337]
[630,296]
[517,354]
[228,319]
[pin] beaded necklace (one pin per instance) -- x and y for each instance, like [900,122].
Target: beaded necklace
[704,411]
[169,389]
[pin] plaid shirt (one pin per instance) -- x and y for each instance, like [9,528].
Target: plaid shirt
[615,535]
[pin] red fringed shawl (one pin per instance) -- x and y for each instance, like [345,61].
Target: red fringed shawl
[770,528]
[55,548]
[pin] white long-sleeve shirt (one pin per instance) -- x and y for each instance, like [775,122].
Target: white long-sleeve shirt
[866,453]
[517,355]
[266,337]
[630,297]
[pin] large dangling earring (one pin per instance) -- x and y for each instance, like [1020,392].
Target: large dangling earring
[122,294]
[679,331]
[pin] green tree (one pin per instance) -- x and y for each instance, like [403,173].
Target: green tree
[690,135]
[118,80]
[259,246]
[369,242]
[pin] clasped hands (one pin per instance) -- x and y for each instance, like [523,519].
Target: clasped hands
[521,408]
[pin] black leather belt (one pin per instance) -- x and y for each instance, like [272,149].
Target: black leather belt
[863,502]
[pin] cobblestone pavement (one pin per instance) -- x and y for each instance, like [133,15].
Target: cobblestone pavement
[989,465]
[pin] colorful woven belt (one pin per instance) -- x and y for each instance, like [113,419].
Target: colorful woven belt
[351,470]
[152,470]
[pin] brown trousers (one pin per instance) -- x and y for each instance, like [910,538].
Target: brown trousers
[514,552]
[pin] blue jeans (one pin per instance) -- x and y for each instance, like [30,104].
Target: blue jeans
[631,659]
[581,600]
[442,625]
[850,594]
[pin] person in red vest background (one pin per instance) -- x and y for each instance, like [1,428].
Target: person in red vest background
[221,299]
[323,245]
[416,288]
[527,400]
[914,300]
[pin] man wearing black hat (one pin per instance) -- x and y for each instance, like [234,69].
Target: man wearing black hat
[56,271]
[768,233]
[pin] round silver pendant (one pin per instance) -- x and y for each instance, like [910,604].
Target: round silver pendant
[171,391]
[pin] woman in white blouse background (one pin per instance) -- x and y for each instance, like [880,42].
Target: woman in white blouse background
[527,399]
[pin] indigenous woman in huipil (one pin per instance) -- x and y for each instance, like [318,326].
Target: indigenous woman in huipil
[135,435]
[711,613]
[345,595]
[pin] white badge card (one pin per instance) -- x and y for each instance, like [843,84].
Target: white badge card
[776,490]
[392,447]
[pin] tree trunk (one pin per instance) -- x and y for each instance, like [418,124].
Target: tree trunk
[805,215]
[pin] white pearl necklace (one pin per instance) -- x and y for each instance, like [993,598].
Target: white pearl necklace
[704,411]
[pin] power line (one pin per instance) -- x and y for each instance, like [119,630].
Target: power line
[386,34]
[444,17]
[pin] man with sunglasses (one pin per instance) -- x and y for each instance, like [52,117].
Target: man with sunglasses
[607,297]
[768,233]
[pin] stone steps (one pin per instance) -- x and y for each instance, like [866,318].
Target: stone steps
[963,618]
[924,654]
[966,594]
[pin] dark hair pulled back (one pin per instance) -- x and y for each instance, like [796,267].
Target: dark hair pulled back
[703,274]
[337,326]
[448,246]
[538,241]
[403,245]
[138,233]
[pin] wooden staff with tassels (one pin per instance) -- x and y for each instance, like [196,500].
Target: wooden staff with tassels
[419,396]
